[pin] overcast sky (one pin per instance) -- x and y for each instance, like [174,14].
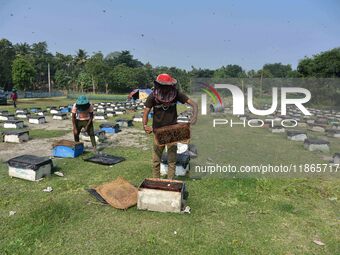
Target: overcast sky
[206,34]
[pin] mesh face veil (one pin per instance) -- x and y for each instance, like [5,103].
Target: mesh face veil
[165,94]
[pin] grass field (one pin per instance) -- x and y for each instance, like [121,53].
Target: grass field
[229,216]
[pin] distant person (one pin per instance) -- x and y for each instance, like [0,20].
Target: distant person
[82,119]
[163,101]
[14,97]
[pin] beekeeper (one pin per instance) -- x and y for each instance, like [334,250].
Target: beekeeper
[163,101]
[82,119]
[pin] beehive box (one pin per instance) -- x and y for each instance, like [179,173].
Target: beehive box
[29,167]
[54,111]
[6,116]
[100,116]
[110,114]
[13,124]
[316,145]
[333,133]
[35,110]
[138,118]
[296,135]
[183,119]
[109,128]
[37,120]
[120,112]
[99,136]
[161,195]
[60,116]
[277,129]
[336,158]
[41,113]
[20,110]
[67,149]
[22,115]
[124,123]
[16,136]
[182,164]
[172,134]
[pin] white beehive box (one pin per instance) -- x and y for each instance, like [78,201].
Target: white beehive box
[29,167]
[22,115]
[137,119]
[37,120]
[120,112]
[100,116]
[161,195]
[60,116]
[316,145]
[99,136]
[7,117]
[54,111]
[13,124]
[16,136]
[296,135]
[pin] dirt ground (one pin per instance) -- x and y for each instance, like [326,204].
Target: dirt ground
[128,137]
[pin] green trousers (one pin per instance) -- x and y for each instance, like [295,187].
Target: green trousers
[90,131]
[157,156]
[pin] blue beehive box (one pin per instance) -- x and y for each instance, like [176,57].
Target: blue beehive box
[110,128]
[64,110]
[67,149]
[150,115]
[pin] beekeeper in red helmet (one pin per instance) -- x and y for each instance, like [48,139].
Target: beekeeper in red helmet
[163,102]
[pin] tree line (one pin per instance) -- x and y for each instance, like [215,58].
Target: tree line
[24,66]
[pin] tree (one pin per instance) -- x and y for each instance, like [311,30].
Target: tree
[95,67]
[22,49]
[62,79]
[126,58]
[84,80]
[41,59]
[278,70]
[229,71]
[323,65]
[123,78]
[23,72]
[201,73]
[7,55]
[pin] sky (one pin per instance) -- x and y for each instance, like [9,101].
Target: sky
[203,34]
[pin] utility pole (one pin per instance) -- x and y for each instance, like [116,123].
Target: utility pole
[49,78]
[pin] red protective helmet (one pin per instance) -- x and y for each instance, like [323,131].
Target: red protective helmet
[165,79]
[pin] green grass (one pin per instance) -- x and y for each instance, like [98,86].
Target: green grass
[39,133]
[229,216]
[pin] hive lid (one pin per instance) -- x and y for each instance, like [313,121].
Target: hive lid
[105,159]
[15,132]
[13,121]
[316,141]
[107,125]
[29,162]
[295,132]
[60,114]
[37,117]
[119,193]
[66,143]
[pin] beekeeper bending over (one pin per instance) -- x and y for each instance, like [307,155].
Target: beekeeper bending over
[82,119]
